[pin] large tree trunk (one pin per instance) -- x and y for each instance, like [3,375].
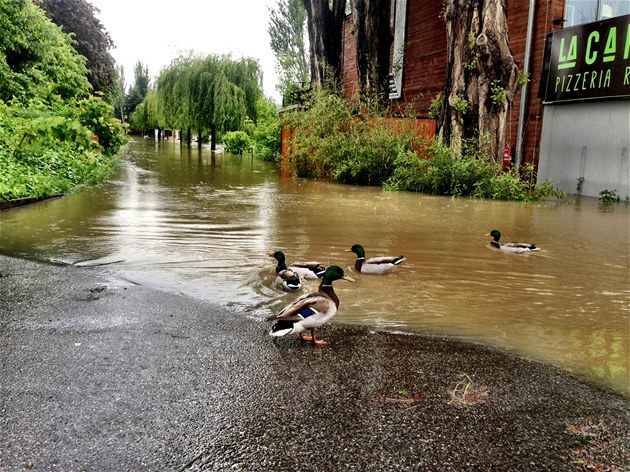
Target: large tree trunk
[325,28]
[481,74]
[373,41]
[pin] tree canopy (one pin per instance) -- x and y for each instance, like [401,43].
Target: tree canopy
[78,17]
[139,90]
[36,58]
[288,40]
[213,93]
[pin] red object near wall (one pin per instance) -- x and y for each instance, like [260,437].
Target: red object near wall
[507,157]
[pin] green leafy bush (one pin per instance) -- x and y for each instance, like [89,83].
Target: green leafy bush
[48,151]
[236,142]
[441,173]
[36,58]
[97,115]
[470,174]
[332,143]
[265,132]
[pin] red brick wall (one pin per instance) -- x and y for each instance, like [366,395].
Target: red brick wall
[425,61]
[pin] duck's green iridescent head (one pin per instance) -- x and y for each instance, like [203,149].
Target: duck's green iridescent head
[335,273]
[496,234]
[278,255]
[358,250]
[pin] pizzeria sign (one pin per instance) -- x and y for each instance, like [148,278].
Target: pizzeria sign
[588,61]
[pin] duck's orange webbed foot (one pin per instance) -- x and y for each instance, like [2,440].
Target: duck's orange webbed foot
[312,338]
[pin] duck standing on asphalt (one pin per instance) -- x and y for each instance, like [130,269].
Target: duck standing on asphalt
[311,310]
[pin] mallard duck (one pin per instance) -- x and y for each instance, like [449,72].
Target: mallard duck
[306,270]
[374,265]
[288,280]
[311,310]
[517,248]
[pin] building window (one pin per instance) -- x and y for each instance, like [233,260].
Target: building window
[588,11]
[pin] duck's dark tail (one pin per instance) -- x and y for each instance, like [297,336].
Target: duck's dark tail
[282,327]
[319,271]
[294,283]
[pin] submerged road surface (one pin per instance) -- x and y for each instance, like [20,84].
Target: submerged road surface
[101,375]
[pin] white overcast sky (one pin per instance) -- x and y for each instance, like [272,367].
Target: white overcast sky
[154,32]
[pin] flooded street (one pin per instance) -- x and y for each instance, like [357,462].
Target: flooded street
[190,223]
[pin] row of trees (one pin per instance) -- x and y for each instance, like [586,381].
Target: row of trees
[208,95]
[480,68]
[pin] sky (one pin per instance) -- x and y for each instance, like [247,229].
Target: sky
[155,32]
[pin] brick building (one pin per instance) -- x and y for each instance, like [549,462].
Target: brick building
[419,49]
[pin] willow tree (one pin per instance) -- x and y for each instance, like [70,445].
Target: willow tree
[212,93]
[173,92]
[325,33]
[481,75]
[147,114]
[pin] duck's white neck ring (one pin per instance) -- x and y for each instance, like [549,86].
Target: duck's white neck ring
[329,285]
[361,258]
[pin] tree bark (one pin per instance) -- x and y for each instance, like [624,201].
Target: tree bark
[213,138]
[480,71]
[325,32]
[373,41]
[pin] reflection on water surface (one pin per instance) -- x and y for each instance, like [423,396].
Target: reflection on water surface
[187,222]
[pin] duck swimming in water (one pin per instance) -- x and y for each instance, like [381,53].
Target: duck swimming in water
[311,310]
[306,270]
[516,248]
[374,265]
[288,280]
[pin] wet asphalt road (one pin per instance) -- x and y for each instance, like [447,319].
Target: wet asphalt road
[102,375]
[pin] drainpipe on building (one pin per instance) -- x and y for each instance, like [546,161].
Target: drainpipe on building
[518,151]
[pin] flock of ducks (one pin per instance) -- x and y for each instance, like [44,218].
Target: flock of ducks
[311,310]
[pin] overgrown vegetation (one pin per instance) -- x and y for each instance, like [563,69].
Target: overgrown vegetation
[50,150]
[54,137]
[609,196]
[329,142]
[237,142]
[264,134]
[469,174]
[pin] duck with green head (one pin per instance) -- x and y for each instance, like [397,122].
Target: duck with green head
[311,310]
[306,270]
[516,248]
[374,265]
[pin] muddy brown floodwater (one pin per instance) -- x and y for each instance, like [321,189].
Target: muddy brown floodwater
[187,221]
